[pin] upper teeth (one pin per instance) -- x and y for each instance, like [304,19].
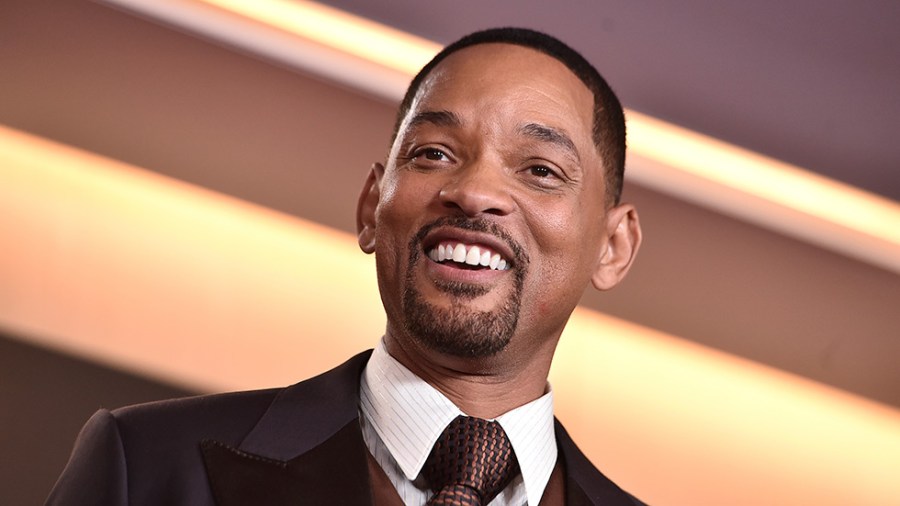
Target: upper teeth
[471,255]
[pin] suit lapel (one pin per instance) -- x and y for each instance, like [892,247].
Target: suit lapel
[306,449]
[304,415]
[335,472]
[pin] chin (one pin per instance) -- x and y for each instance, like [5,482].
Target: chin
[459,330]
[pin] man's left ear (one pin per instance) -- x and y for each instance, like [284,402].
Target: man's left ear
[366,208]
[623,231]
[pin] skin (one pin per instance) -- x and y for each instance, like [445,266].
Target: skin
[501,134]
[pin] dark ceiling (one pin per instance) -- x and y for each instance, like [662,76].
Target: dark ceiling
[814,83]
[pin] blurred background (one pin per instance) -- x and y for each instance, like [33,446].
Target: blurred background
[178,182]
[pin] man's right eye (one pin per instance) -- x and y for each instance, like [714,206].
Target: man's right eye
[431,154]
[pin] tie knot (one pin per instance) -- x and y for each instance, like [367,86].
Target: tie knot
[471,462]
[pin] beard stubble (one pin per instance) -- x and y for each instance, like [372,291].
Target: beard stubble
[459,330]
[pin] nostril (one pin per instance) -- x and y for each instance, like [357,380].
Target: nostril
[474,203]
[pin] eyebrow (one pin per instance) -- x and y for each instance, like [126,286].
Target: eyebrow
[534,130]
[551,135]
[438,118]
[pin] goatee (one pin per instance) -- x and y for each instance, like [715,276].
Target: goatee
[458,330]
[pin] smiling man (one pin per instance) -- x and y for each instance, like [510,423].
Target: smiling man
[497,206]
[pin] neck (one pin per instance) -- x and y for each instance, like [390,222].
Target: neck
[480,387]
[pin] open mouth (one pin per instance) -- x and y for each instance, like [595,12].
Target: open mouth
[468,256]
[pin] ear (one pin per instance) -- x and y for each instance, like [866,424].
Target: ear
[366,207]
[623,230]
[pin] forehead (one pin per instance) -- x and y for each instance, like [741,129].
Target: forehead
[497,81]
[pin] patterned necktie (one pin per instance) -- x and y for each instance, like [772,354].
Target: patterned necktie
[471,462]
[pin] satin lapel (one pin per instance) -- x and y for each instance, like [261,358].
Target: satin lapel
[306,414]
[335,472]
[585,485]
[306,449]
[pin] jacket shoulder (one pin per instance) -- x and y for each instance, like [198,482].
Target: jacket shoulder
[227,416]
[149,453]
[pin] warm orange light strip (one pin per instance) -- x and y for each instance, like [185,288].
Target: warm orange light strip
[663,156]
[760,189]
[765,177]
[138,270]
[339,30]
[694,426]
[128,267]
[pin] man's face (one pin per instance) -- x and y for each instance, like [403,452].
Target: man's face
[490,218]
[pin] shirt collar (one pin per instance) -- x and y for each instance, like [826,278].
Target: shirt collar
[409,415]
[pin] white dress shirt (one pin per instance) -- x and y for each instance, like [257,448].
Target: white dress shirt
[402,417]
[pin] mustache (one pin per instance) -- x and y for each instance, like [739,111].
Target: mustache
[520,258]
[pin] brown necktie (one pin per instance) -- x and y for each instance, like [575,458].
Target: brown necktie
[471,462]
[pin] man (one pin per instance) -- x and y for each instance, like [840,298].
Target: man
[497,205]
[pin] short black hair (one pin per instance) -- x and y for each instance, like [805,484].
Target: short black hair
[609,118]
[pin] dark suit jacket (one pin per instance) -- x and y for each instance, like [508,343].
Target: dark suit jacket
[297,445]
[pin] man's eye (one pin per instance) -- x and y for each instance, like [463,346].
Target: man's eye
[432,154]
[541,171]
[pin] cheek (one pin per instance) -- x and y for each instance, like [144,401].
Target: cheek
[391,213]
[545,309]
[403,197]
[561,234]
[566,245]
[397,218]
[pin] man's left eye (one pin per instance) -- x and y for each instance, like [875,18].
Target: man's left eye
[541,171]
[432,154]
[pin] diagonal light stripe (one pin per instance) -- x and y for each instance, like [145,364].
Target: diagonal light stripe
[763,190]
[339,30]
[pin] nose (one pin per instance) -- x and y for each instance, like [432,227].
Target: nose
[478,188]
